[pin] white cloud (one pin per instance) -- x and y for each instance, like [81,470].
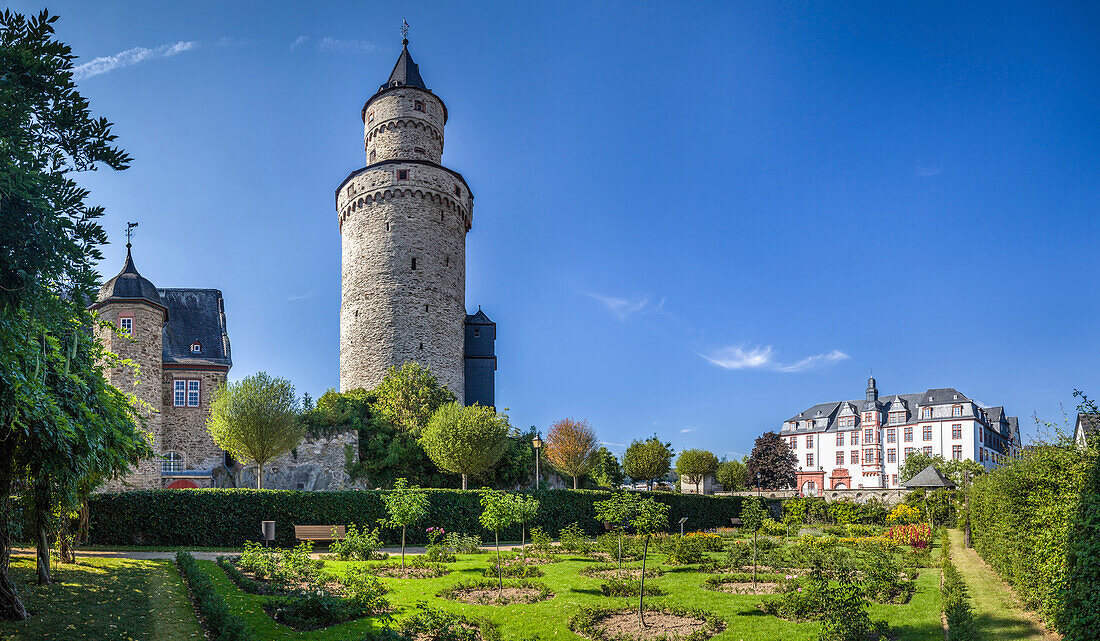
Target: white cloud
[624,308]
[299,41]
[129,57]
[296,297]
[345,46]
[736,357]
[928,172]
[687,429]
[612,444]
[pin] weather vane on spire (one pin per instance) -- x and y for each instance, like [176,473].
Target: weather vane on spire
[129,232]
[404,31]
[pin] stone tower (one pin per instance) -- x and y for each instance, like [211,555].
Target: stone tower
[131,302]
[403,220]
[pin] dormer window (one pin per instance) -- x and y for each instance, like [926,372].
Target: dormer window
[196,348]
[926,412]
[418,106]
[957,410]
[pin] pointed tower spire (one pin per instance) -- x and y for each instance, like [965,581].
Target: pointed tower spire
[405,73]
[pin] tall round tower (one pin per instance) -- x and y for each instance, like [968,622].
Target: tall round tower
[403,221]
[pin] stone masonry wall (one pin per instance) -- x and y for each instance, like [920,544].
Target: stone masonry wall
[145,350]
[316,464]
[393,128]
[184,428]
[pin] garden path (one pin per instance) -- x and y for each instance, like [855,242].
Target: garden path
[997,610]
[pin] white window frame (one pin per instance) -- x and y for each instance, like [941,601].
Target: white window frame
[179,392]
[172,462]
[126,324]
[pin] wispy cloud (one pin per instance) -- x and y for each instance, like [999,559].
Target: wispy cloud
[337,45]
[624,308]
[106,64]
[296,297]
[739,357]
[928,172]
[612,444]
[299,41]
[687,430]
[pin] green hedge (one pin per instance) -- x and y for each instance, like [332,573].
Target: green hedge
[1036,521]
[222,624]
[229,517]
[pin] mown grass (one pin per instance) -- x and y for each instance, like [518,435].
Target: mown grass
[997,612]
[104,599]
[917,620]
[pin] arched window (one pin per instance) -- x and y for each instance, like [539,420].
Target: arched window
[173,462]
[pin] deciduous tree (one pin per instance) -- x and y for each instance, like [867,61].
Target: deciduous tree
[256,420]
[405,505]
[606,471]
[753,515]
[773,461]
[498,511]
[694,466]
[465,440]
[650,518]
[647,460]
[571,447]
[619,512]
[409,395]
[732,476]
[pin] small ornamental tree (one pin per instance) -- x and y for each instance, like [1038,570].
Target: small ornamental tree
[694,466]
[465,440]
[256,420]
[732,476]
[527,508]
[650,518]
[498,511]
[753,515]
[406,505]
[571,447]
[408,397]
[619,511]
[772,462]
[647,460]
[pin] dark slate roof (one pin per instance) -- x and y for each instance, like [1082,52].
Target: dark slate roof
[195,315]
[405,73]
[478,319]
[908,403]
[129,285]
[1090,423]
[929,477]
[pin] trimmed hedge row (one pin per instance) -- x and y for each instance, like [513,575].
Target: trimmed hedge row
[229,517]
[222,624]
[956,609]
[1036,521]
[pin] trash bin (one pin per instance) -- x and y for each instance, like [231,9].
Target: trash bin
[267,528]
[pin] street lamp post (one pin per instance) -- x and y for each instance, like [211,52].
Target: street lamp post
[758,485]
[537,444]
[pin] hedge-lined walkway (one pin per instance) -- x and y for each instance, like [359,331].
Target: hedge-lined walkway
[997,611]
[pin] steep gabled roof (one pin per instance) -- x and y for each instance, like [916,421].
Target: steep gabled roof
[195,315]
[480,318]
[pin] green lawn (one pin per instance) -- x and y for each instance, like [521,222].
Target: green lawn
[996,610]
[104,600]
[918,620]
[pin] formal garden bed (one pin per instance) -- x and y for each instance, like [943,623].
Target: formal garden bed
[656,624]
[490,592]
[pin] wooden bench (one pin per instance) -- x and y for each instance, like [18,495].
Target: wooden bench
[319,532]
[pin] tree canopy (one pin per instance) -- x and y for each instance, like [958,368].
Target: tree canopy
[694,466]
[648,460]
[606,471]
[773,461]
[409,395]
[405,505]
[466,440]
[732,476]
[571,447]
[256,420]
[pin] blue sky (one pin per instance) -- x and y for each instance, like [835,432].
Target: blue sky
[694,221]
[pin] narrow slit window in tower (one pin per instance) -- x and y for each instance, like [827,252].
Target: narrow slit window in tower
[418,105]
[387,226]
[414,264]
[419,150]
[422,346]
[402,174]
[372,154]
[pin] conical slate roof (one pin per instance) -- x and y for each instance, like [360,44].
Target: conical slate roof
[129,285]
[405,73]
[929,477]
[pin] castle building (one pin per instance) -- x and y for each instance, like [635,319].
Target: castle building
[403,220]
[177,338]
[862,443]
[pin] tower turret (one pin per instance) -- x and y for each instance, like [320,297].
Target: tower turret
[403,220]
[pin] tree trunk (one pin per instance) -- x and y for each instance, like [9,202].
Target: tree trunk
[42,529]
[402,547]
[259,476]
[574,482]
[754,562]
[500,568]
[641,589]
[11,608]
[464,481]
[621,551]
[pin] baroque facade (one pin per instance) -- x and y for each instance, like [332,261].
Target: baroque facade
[403,220]
[863,443]
[178,339]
